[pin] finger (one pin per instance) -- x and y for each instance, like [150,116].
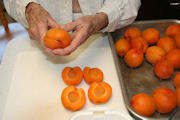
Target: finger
[70,26]
[33,33]
[42,28]
[76,42]
[52,23]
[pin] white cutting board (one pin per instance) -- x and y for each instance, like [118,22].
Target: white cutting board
[31,82]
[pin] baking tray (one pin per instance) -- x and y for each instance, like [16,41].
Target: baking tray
[141,79]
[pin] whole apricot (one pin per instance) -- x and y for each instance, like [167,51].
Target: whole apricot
[178,96]
[154,54]
[177,40]
[131,33]
[151,35]
[165,99]
[166,43]
[172,30]
[163,69]
[134,58]
[176,80]
[143,104]
[139,43]
[57,38]
[174,57]
[122,46]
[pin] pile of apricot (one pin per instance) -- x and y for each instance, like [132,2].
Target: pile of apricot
[163,52]
[74,98]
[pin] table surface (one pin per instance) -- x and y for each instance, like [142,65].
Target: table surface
[16,30]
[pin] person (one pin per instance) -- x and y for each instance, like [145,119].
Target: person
[83,17]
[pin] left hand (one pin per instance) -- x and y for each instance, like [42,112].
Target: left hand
[83,28]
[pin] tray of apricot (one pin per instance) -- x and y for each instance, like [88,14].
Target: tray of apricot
[147,57]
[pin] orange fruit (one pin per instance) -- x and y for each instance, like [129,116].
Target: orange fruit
[151,35]
[174,57]
[178,96]
[134,58]
[176,80]
[122,46]
[99,93]
[92,75]
[72,76]
[166,43]
[57,38]
[154,54]
[143,104]
[73,98]
[165,99]
[131,33]
[177,40]
[172,30]
[139,43]
[163,69]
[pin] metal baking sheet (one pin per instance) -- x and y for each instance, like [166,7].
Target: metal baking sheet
[141,79]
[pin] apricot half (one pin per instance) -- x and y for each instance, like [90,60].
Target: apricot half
[57,38]
[92,75]
[72,76]
[100,92]
[73,98]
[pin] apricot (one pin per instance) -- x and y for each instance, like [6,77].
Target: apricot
[151,35]
[163,69]
[154,54]
[92,75]
[176,80]
[178,96]
[143,104]
[134,58]
[166,43]
[99,93]
[139,43]
[165,99]
[177,40]
[122,46]
[72,76]
[174,57]
[73,98]
[172,30]
[131,33]
[57,38]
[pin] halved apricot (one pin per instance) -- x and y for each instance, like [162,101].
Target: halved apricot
[100,92]
[73,98]
[92,75]
[72,76]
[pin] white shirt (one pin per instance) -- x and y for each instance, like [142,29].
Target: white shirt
[120,12]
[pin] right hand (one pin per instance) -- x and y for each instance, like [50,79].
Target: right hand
[39,21]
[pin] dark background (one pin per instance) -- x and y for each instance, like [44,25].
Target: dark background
[158,9]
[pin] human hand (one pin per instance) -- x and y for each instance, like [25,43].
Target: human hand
[39,21]
[83,28]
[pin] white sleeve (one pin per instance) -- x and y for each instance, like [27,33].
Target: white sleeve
[16,9]
[120,13]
